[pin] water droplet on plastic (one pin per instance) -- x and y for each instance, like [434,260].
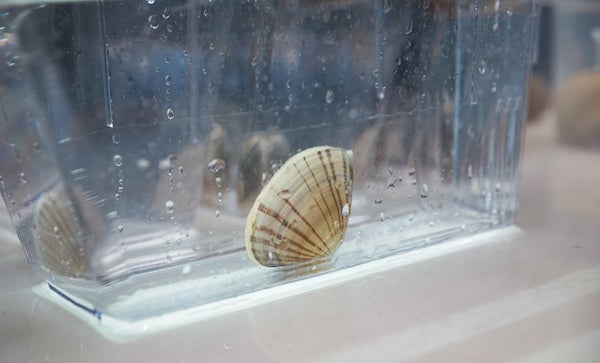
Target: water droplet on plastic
[219,182]
[470,171]
[387,6]
[391,182]
[153,22]
[329,95]
[11,60]
[180,170]
[186,270]
[346,210]
[381,216]
[285,194]
[424,190]
[217,213]
[169,258]
[142,164]
[169,206]
[170,113]
[482,67]
[166,13]
[216,165]
[116,138]
[168,79]
[120,228]
[409,28]
[498,187]
[411,171]
[411,217]
[118,160]
[164,164]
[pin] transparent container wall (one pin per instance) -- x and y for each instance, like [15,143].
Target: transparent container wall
[135,136]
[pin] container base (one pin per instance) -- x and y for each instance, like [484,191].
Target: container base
[121,331]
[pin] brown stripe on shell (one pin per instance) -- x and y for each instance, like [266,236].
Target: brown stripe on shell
[272,233]
[317,204]
[329,225]
[264,251]
[276,258]
[331,188]
[337,190]
[267,246]
[285,223]
[312,228]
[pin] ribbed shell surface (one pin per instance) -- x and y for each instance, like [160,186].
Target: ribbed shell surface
[56,236]
[302,213]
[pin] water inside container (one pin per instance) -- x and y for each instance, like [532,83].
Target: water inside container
[136,136]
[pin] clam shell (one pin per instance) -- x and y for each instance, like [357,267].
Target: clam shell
[302,213]
[259,155]
[194,163]
[56,236]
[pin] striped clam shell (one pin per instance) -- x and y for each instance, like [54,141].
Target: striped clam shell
[302,213]
[58,236]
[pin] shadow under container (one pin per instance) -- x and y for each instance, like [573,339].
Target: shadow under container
[135,136]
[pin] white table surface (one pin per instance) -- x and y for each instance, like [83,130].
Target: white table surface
[528,297]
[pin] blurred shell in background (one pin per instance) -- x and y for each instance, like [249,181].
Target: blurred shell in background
[380,146]
[196,176]
[261,157]
[216,166]
[577,104]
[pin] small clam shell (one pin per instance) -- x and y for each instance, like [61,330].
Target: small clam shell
[261,152]
[195,164]
[58,236]
[302,213]
[380,147]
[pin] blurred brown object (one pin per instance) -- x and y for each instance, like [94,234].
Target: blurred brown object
[539,97]
[577,104]
[261,156]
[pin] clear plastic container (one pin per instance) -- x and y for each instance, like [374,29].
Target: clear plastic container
[136,136]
